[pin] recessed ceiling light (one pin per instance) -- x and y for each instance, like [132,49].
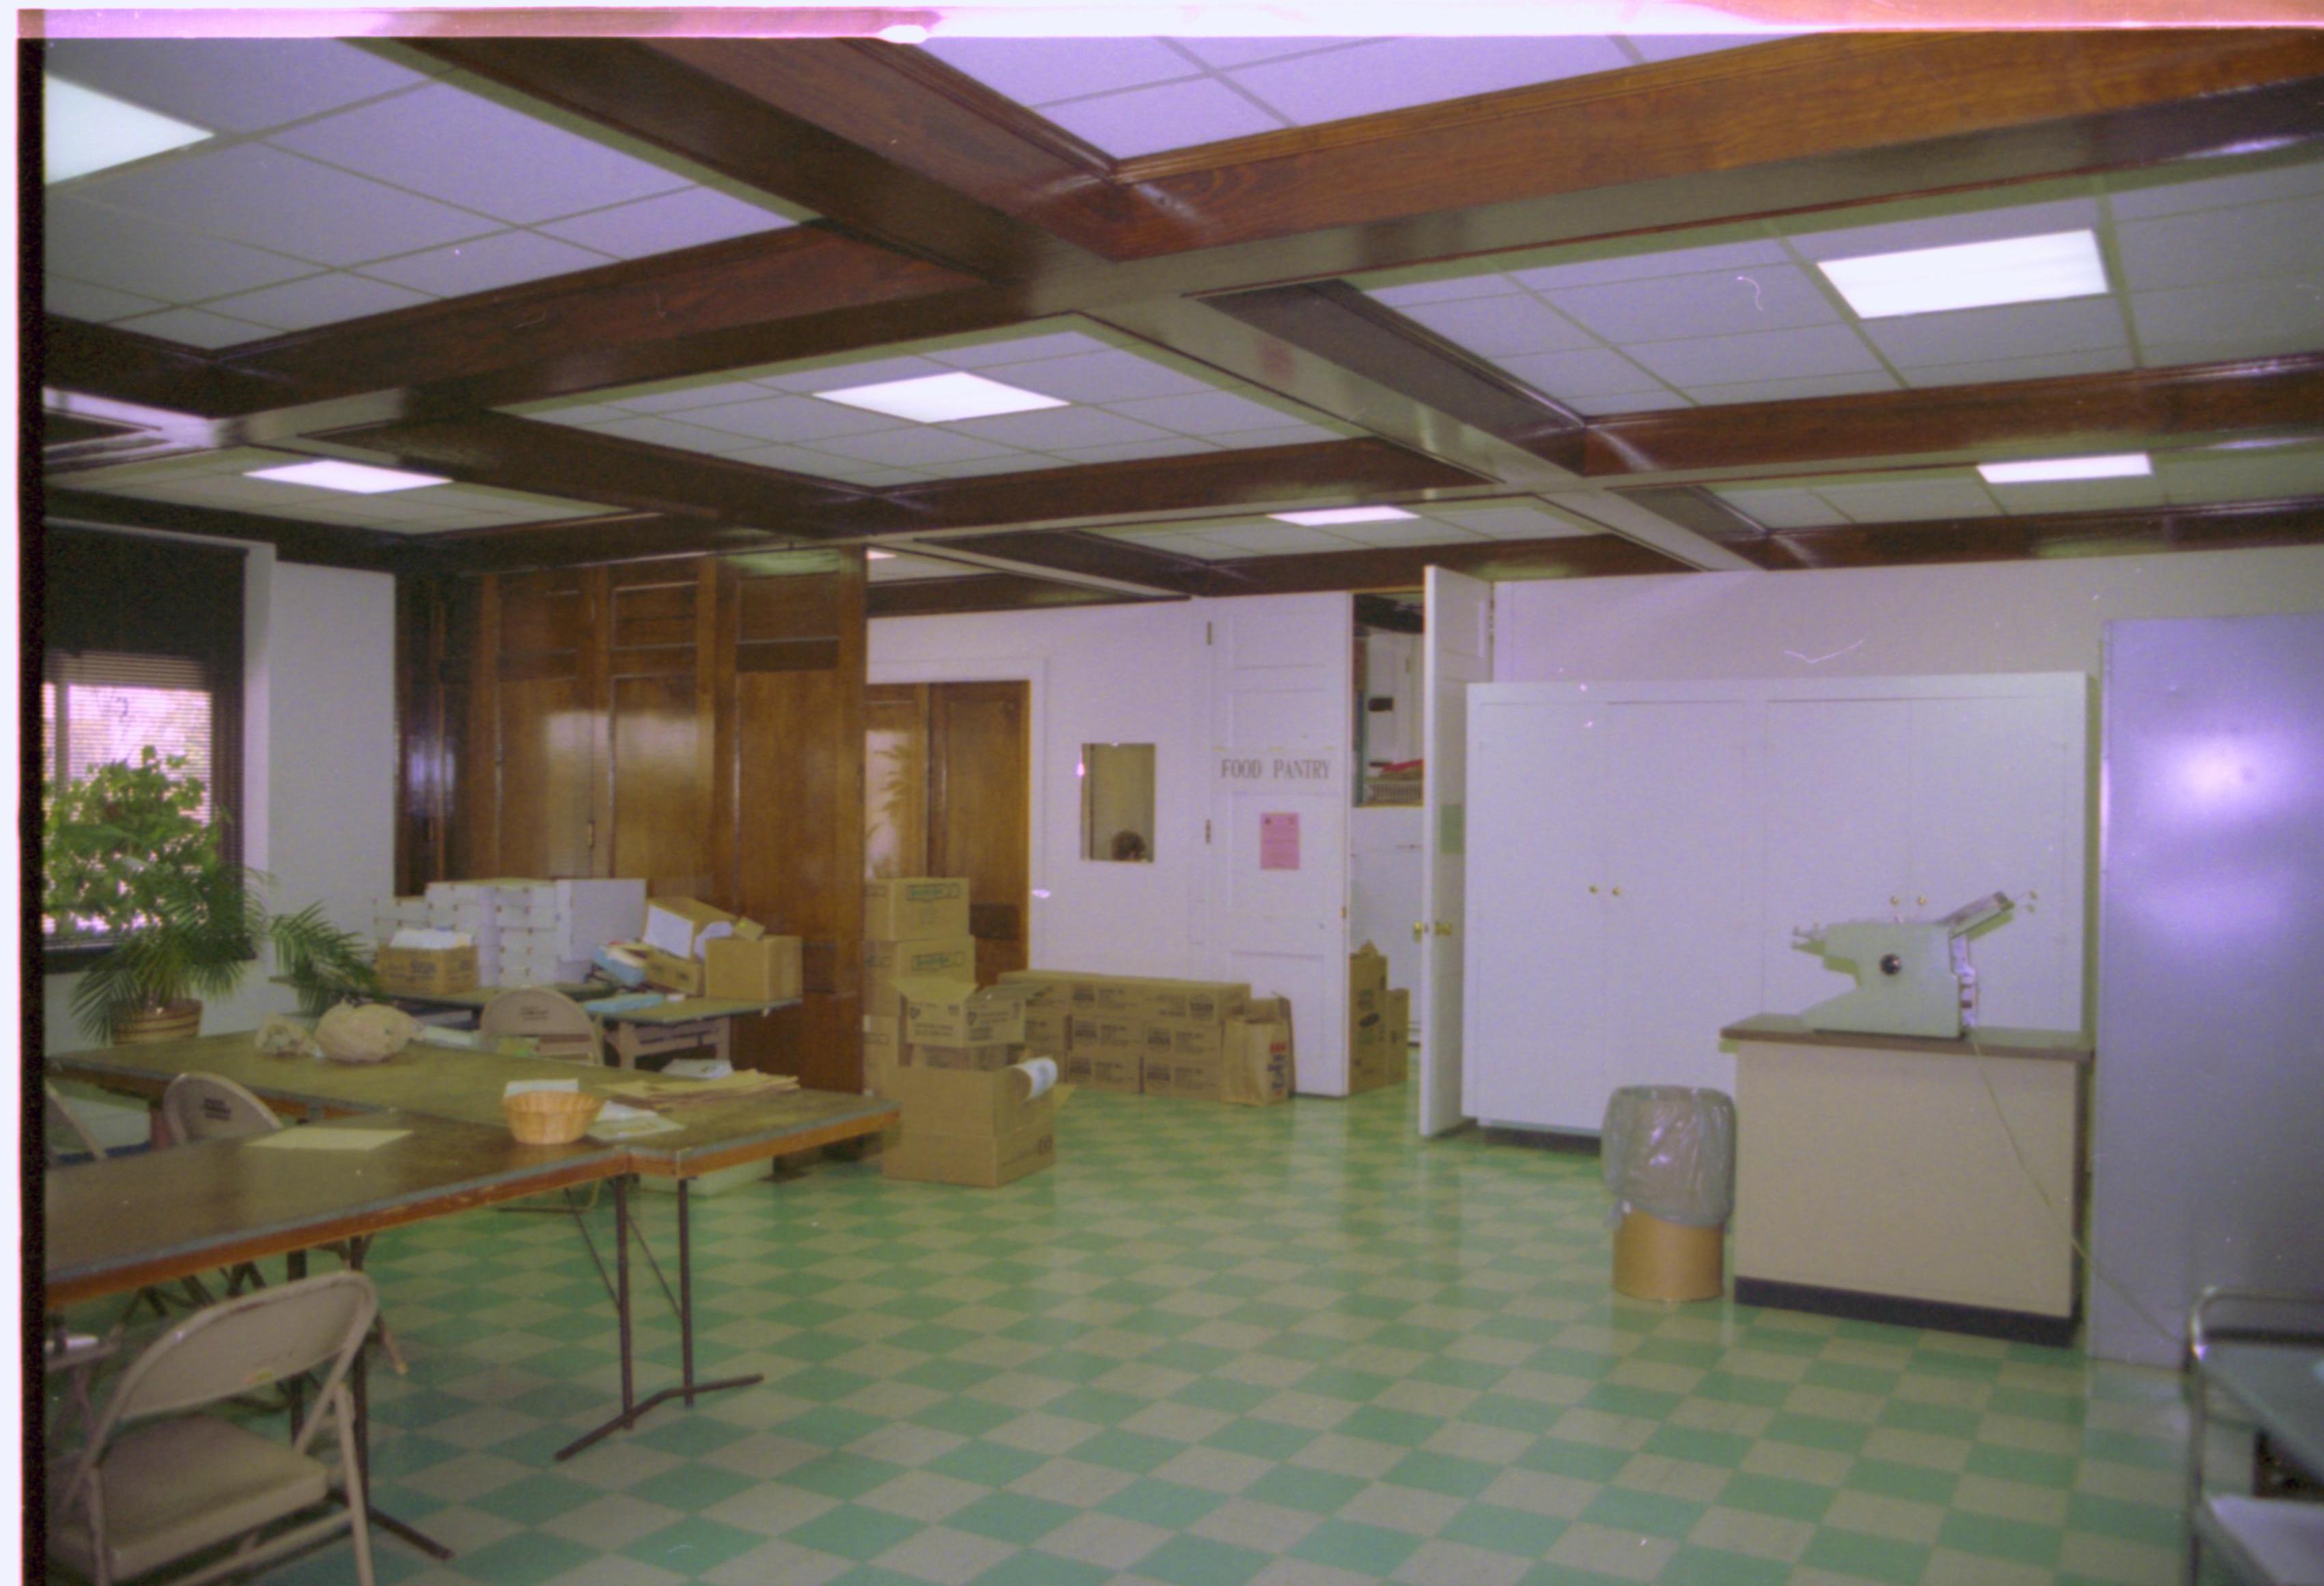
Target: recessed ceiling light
[880,555]
[1970,275]
[940,399]
[357,477]
[83,131]
[1328,516]
[2042,470]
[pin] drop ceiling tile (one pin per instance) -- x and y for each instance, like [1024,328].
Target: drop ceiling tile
[2048,367]
[704,393]
[2080,495]
[1780,507]
[1942,231]
[1516,520]
[794,459]
[269,200]
[1580,378]
[1492,284]
[688,218]
[194,328]
[158,471]
[1627,267]
[870,475]
[1175,115]
[2254,240]
[563,412]
[2243,473]
[1166,446]
[1763,355]
[1501,326]
[1407,532]
[2012,330]
[790,418]
[1282,434]
[504,259]
[1661,399]
[843,376]
[1915,498]
[1006,463]
[2255,319]
[318,300]
[1022,349]
[1394,74]
[1209,413]
[1052,429]
[1179,542]
[1276,540]
[1672,308]
[917,445]
[230,85]
[462,148]
[1107,375]
[166,262]
[2131,200]
[1037,71]
[1787,390]
[903,568]
[1226,54]
[79,300]
[670,432]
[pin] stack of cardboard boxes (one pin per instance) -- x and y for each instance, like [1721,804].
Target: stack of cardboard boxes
[1166,1038]
[1380,1024]
[915,928]
[519,932]
[700,950]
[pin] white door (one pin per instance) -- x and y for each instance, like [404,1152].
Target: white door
[1458,616]
[1837,778]
[1534,1012]
[1282,704]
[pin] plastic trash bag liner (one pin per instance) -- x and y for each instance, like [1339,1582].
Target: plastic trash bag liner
[1670,1151]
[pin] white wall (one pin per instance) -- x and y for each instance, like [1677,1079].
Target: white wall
[319,762]
[1098,675]
[2042,617]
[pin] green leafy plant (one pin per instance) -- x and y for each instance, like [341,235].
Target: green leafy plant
[129,864]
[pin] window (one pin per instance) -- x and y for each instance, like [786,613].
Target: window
[141,643]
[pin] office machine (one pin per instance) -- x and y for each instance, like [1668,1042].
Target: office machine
[1913,977]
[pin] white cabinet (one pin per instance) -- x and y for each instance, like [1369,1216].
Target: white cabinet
[1640,853]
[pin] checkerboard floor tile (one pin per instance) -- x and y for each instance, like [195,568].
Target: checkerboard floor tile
[1295,1346]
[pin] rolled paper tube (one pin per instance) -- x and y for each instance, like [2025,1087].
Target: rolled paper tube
[1036,1074]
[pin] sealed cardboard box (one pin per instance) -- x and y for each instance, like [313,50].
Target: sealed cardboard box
[427,971]
[1048,1032]
[1366,969]
[1399,1018]
[968,1128]
[1124,1072]
[1257,1070]
[912,909]
[884,1048]
[1194,1080]
[973,1160]
[988,1058]
[669,973]
[954,1013]
[1093,1033]
[593,912]
[943,958]
[760,969]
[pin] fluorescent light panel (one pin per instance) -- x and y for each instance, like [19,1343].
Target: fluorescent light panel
[2047,470]
[941,399]
[1327,516]
[880,555]
[357,478]
[1970,275]
[84,130]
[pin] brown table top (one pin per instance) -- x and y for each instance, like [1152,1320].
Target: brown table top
[124,1221]
[440,1081]
[1789,1029]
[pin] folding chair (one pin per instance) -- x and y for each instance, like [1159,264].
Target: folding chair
[62,1131]
[158,1482]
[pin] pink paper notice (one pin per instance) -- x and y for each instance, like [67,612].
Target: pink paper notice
[1278,842]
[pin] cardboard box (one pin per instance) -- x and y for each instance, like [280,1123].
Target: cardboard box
[1399,1018]
[1121,1072]
[977,1128]
[914,908]
[756,968]
[943,958]
[669,973]
[427,971]
[678,927]
[1258,1069]
[1091,1033]
[988,1058]
[1049,1031]
[592,913]
[884,1048]
[975,1161]
[1194,1080]
[954,1013]
[1366,969]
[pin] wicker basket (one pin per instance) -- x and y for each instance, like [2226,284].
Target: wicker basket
[550,1117]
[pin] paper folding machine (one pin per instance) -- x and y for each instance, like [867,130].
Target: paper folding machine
[1913,977]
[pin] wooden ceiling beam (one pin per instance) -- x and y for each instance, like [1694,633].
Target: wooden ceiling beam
[992,592]
[2231,526]
[2271,398]
[327,545]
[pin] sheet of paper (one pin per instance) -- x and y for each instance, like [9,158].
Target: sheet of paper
[1279,841]
[325,1139]
[517,1087]
[630,1128]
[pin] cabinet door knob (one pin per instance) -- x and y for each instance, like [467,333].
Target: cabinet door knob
[1593,891]
[1618,892]
[1419,929]
[1893,900]
[1444,929]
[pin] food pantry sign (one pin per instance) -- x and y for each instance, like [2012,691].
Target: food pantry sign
[1276,771]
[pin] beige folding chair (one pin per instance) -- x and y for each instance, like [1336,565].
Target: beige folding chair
[159,1482]
[559,1027]
[211,1107]
[62,1131]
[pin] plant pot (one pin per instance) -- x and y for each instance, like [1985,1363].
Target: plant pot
[174,1021]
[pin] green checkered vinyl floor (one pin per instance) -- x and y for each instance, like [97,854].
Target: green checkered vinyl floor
[1292,1346]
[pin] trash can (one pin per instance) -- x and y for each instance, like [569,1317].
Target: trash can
[1668,1154]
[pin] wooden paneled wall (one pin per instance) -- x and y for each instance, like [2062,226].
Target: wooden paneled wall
[695,721]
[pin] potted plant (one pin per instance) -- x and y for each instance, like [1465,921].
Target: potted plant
[128,862]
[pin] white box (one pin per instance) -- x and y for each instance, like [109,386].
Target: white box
[592,913]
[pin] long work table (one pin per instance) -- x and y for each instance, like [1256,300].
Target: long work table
[425,1084]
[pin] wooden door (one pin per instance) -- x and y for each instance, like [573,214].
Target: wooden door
[787,803]
[1458,652]
[947,793]
[653,803]
[530,802]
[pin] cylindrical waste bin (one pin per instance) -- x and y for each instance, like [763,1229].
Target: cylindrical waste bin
[1668,1154]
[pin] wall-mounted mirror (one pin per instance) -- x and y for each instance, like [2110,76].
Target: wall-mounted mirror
[1118,802]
